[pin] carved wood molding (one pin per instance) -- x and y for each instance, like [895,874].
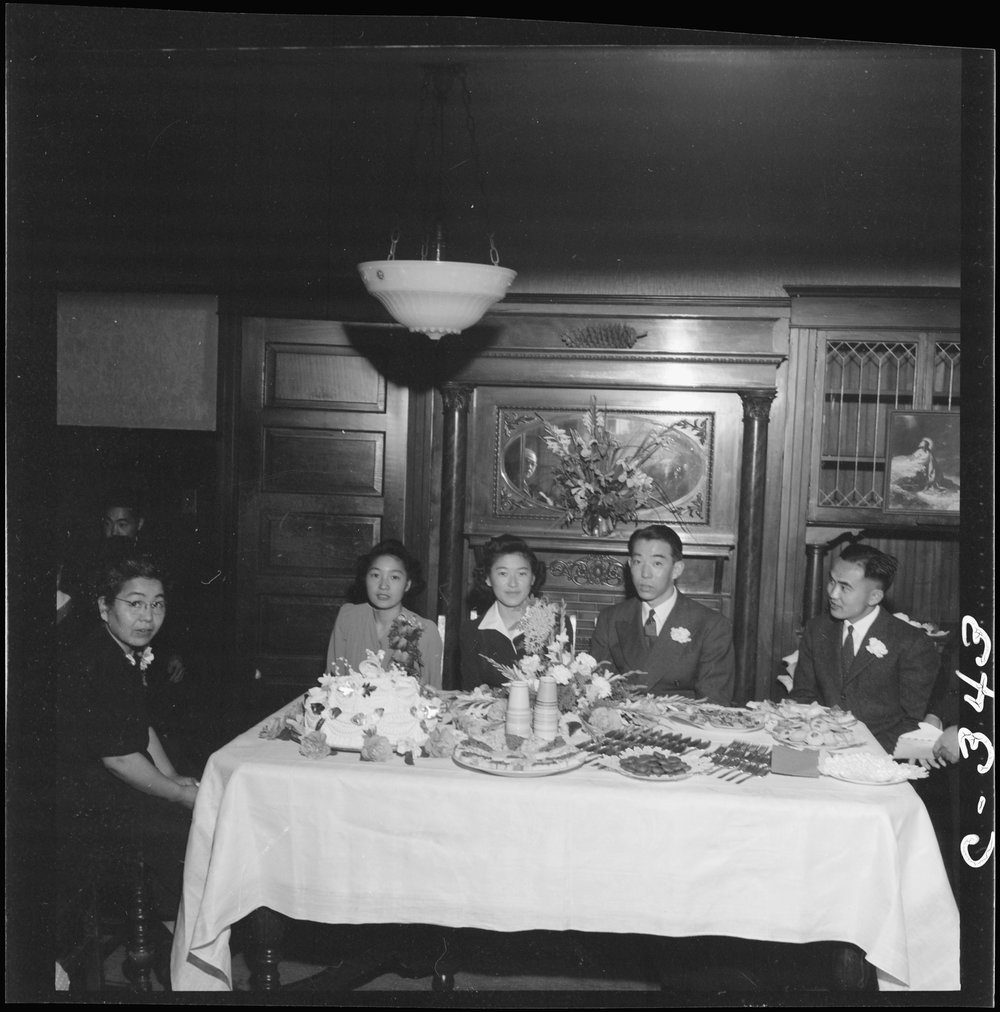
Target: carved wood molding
[590,571]
[657,357]
[606,335]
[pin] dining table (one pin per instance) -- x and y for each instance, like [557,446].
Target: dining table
[780,858]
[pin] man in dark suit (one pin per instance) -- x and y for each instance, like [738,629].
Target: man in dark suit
[861,658]
[683,647]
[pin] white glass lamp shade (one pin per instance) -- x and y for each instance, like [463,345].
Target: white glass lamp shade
[436,297]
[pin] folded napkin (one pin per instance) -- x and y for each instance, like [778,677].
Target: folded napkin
[790,662]
[918,744]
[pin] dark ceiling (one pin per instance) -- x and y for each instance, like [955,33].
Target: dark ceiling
[243,152]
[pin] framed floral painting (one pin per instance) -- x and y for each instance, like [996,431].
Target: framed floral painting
[571,465]
[923,464]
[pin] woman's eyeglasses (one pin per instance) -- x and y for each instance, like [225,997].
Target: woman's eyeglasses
[138,607]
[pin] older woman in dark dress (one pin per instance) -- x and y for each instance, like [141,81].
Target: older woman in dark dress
[118,792]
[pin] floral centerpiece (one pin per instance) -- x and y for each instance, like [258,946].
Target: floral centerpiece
[599,482]
[585,687]
[404,639]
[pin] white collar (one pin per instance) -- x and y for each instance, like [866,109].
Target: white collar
[662,611]
[862,626]
[492,620]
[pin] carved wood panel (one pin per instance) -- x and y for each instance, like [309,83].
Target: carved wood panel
[321,478]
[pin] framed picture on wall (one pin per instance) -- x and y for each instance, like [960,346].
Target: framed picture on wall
[923,464]
[679,464]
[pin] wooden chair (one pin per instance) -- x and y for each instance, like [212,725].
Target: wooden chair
[105,907]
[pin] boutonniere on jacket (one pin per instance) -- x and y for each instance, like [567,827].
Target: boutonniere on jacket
[144,659]
[876,647]
[680,635]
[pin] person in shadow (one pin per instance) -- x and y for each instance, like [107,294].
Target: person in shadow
[682,646]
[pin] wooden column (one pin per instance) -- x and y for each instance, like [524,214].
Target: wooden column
[451,591]
[812,604]
[750,543]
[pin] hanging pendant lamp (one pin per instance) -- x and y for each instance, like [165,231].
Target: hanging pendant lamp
[432,295]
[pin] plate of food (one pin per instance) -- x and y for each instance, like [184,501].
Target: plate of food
[810,725]
[831,739]
[502,755]
[685,712]
[651,764]
[868,770]
[735,718]
[502,766]
[655,764]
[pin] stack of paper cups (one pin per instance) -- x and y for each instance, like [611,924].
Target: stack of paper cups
[518,710]
[546,709]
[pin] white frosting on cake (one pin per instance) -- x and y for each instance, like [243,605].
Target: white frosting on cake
[390,702]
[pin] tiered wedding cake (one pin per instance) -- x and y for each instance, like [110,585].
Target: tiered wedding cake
[389,703]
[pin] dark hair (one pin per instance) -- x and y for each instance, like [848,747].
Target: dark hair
[658,532]
[481,597]
[119,567]
[126,499]
[508,544]
[411,564]
[877,566]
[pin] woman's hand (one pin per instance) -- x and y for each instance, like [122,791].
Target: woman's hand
[189,791]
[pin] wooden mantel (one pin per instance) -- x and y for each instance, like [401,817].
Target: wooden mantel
[715,346]
[632,370]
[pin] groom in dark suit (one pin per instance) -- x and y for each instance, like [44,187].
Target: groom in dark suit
[683,647]
[861,658]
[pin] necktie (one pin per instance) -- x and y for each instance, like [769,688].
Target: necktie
[847,649]
[649,628]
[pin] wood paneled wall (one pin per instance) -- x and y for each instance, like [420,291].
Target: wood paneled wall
[694,348]
[928,580]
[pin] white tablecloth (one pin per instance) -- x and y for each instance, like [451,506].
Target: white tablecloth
[787,859]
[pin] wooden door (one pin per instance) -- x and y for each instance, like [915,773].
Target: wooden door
[321,472]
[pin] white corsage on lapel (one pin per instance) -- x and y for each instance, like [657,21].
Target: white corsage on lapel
[876,647]
[680,635]
[145,658]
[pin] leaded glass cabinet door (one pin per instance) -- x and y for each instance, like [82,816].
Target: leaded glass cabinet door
[862,378]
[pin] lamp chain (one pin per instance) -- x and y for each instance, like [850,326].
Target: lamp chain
[432,101]
[411,184]
[470,124]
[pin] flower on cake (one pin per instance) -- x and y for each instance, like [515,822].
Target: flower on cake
[314,746]
[876,647]
[376,748]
